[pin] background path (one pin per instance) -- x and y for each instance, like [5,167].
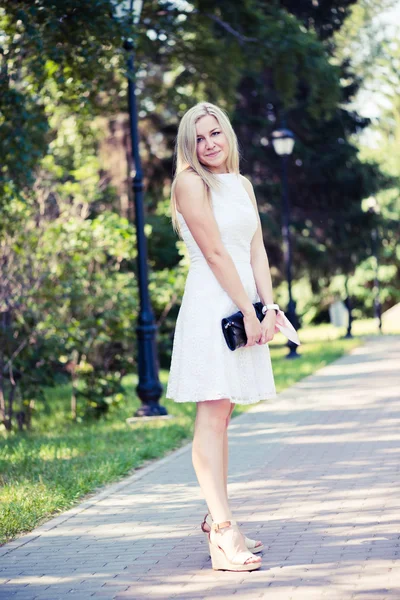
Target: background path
[315,475]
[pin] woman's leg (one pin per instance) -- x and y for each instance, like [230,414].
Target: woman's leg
[225,456]
[208,455]
[208,461]
[226,460]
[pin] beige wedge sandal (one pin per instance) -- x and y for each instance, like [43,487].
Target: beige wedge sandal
[221,561]
[251,544]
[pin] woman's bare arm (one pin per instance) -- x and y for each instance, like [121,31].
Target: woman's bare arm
[197,212]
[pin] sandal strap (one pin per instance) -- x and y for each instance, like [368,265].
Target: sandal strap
[222,525]
[208,519]
[203,524]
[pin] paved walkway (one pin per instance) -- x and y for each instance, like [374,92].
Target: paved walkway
[315,475]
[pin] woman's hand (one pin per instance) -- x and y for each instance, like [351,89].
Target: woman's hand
[267,327]
[252,327]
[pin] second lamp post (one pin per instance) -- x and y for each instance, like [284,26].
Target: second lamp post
[283,142]
[373,209]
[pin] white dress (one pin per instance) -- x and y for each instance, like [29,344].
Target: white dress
[202,366]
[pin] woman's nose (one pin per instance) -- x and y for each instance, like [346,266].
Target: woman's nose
[209,143]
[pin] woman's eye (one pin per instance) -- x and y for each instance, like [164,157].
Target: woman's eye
[199,139]
[216,132]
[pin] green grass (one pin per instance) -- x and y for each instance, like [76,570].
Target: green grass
[49,469]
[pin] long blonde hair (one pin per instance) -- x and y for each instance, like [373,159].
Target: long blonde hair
[186,154]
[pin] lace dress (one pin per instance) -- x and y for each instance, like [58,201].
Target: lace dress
[202,366]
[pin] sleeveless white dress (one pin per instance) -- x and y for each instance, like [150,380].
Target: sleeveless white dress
[202,366]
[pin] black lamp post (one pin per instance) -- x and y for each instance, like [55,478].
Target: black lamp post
[149,388]
[348,305]
[373,208]
[283,142]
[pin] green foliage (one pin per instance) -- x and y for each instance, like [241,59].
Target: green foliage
[190,49]
[20,152]
[52,51]
[97,298]
[71,305]
[328,181]
[68,53]
[381,145]
[323,17]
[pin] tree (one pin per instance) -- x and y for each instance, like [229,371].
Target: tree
[52,51]
[382,146]
[327,179]
[71,53]
[68,291]
[68,308]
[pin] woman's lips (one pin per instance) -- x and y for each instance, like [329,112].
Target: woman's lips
[212,155]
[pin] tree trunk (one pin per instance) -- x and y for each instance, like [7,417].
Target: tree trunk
[2,399]
[29,410]
[74,363]
[9,411]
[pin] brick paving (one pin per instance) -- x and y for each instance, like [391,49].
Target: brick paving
[314,474]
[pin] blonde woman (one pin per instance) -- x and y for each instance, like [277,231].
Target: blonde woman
[215,212]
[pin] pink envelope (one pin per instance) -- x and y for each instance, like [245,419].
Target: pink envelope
[283,325]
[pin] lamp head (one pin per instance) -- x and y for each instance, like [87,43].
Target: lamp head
[372,205]
[283,141]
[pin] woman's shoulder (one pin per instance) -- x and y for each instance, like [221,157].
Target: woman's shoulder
[189,186]
[187,177]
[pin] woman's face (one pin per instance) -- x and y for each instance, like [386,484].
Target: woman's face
[212,145]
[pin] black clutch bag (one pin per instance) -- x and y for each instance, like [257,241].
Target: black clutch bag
[233,327]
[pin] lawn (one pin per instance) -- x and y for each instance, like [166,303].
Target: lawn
[48,470]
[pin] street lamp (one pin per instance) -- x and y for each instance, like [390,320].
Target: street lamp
[373,209]
[348,305]
[283,142]
[149,388]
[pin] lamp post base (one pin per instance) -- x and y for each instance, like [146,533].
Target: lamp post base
[152,409]
[292,351]
[348,305]
[378,314]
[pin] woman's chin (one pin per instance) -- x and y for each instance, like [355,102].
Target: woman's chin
[215,164]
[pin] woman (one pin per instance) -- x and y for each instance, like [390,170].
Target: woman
[214,209]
